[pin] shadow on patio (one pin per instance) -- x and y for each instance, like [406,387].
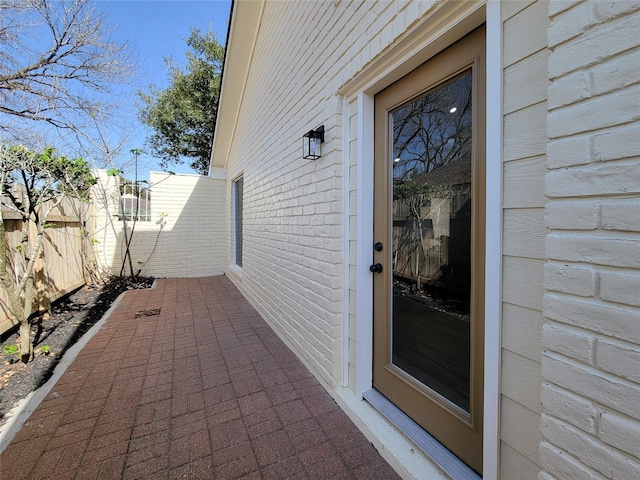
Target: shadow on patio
[187,381]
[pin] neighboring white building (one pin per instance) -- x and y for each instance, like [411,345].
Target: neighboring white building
[536,251]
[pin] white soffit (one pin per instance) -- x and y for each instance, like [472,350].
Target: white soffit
[245,25]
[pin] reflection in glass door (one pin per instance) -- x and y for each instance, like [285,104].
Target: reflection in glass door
[428,266]
[432,238]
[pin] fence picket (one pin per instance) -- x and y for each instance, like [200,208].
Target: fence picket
[61,270]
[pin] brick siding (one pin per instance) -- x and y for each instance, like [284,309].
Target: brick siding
[591,336]
[293,226]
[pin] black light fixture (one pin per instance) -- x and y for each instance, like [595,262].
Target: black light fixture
[312,143]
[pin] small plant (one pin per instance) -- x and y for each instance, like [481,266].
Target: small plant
[11,349]
[45,349]
[162,220]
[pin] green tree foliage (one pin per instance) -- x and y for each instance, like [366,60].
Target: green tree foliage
[33,185]
[183,115]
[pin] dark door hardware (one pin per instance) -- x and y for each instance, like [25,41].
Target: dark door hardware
[376,268]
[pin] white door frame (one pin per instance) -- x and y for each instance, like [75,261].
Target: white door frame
[445,26]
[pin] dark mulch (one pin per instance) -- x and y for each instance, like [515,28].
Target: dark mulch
[71,317]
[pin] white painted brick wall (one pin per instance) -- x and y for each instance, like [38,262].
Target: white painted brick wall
[573,215]
[620,288]
[608,391]
[105,230]
[570,342]
[574,409]
[595,315]
[621,177]
[622,216]
[618,358]
[192,241]
[620,432]
[292,212]
[609,76]
[568,152]
[566,278]
[560,465]
[616,144]
[591,390]
[600,42]
[596,248]
[589,451]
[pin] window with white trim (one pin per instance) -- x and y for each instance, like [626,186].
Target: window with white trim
[237,221]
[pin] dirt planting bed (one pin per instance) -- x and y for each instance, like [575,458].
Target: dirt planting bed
[71,317]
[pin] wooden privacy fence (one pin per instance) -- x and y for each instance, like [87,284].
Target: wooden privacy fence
[60,268]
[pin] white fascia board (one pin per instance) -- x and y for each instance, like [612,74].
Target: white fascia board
[245,25]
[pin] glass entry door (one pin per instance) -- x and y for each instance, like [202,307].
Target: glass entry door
[429,256]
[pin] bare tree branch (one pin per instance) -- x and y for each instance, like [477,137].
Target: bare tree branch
[56,59]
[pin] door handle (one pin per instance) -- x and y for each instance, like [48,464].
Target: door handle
[376,268]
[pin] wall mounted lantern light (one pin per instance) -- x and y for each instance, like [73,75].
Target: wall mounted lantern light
[312,143]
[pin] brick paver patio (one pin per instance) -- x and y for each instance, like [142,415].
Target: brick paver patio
[201,389]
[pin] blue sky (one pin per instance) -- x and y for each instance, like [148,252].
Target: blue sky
[157,29]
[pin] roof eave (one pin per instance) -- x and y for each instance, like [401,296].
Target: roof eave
[244,25]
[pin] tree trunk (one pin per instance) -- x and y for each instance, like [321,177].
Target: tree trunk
[26,347]
[21,310]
